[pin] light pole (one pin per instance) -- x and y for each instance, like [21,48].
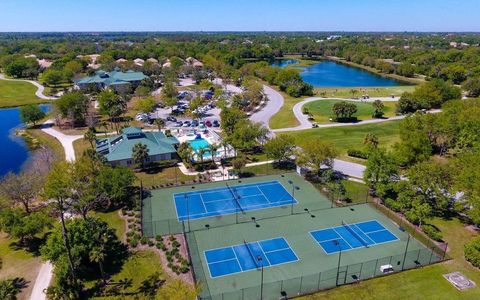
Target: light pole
[337,243]
[259,259]
[293,195]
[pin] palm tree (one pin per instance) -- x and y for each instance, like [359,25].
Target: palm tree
[224,144]
[160,124]
[353,92]
[201,152]
[98,255]
[213,150]
[140,154]
[90,136]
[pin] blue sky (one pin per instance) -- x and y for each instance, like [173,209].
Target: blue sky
[239,15]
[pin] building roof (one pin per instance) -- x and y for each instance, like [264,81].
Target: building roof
[120,147]
[112,78]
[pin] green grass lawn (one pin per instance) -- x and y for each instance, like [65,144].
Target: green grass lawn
[18,93]
[351,137]
[49,141]
[18,263]
[163,176]
[113,220]
[285,117]
[322,110]
[370,91]
[423,283]
[142,264]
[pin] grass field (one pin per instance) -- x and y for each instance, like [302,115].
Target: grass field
[351,137]
[373,92]
[322,110]
[18,263]
[49,141]
[424,283]
[285,117]
[113,220]
[139,266]
[18,93]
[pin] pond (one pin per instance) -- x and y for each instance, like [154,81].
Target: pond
[13,151]
[331,74]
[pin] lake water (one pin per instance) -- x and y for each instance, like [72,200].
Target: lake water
[332,74]
[13,150]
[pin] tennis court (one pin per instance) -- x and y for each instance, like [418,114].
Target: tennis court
[351,236]
[249,256]
[231,199]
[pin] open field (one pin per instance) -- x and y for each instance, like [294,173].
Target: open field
[321,110]
[424,283]
[18,263]
[17,93]
[351,137]
[285,117]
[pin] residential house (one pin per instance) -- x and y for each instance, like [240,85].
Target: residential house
[118,150]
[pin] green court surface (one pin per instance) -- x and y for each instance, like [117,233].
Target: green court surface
[314,269]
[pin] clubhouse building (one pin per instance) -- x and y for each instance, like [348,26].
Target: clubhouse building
[118,150]
[116,80]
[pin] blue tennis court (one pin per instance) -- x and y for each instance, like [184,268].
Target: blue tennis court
[231,199]
[352,236]
[249,256]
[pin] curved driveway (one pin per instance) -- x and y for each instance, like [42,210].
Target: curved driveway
[40,88]
[274,104]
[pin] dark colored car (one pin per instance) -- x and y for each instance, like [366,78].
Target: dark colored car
[172,119]
[216,123]
[194,123]
[208,123]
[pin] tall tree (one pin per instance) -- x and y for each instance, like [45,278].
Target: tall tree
[280,147]
[21,189]
[31,114]
[58,189]
[316,154]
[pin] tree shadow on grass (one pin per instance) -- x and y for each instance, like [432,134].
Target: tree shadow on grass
[31,245]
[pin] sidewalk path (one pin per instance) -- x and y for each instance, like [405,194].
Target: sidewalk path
[273,106]
[42,281]
[65,140]
[40,88]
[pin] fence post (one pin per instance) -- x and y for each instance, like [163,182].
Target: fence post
[319,280]
[300,287]
[431,255]
[445,251]
[375,270]
[405,255]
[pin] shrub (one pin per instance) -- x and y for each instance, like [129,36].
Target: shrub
[184,269]
[133,243]
[159,245]
[158,238]
[171,238]
[357,153]
[150,243]
[472,252]
[393,205]
[432,232]
[144,240]
[175,244]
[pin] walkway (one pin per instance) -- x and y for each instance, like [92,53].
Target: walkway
[273,106]
[40,88]
[65,140]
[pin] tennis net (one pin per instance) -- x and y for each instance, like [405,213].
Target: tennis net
[347,226]
[235,198]
[255,259]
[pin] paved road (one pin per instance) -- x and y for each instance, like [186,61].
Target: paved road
[348,168]
[40,88]
[273,106]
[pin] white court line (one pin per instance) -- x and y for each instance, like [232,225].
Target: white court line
[238,261]
[342,237]
[264,254]
[203,203]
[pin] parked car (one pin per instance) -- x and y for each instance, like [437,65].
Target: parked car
[187,124]
[179,124]
[171,119]
[194,123]
[208,123]
[216,123]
